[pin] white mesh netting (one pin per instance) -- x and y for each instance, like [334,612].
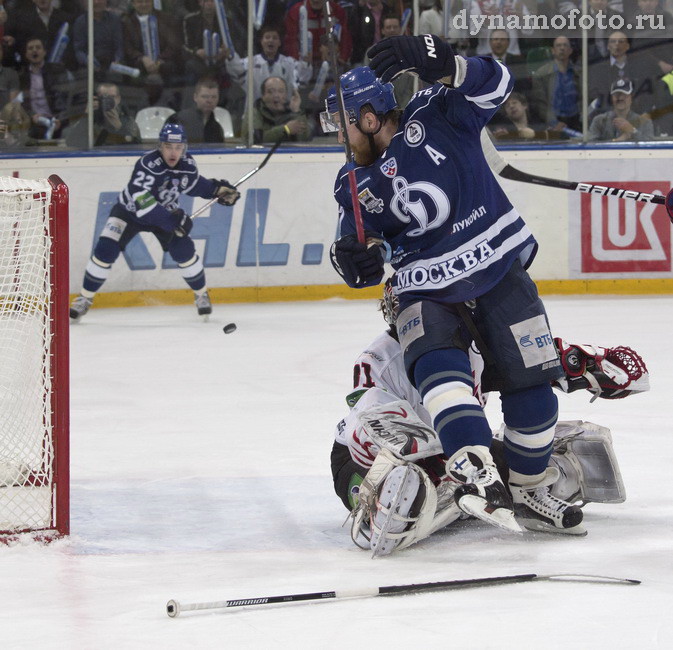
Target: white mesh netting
[26,447]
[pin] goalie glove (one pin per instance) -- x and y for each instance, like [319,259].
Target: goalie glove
[182,223]
[360,265]
[610,373]
[225,192]
[427,56]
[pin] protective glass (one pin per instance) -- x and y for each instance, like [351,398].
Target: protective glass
[330,122]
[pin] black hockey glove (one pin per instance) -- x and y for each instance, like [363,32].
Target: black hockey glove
[428,56]
[358,264]
[225,192]
[182,223]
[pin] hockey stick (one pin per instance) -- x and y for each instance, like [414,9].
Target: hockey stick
[245,177]
[504,169]
[174,608]
[350,160]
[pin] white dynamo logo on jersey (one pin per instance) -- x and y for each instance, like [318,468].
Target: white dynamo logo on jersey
[414,133]
[407,204]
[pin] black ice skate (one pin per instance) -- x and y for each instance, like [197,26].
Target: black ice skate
[482,493]
[538,510]
[203,304]
[79,307]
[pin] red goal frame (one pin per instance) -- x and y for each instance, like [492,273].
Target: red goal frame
[57,226]
[60,353]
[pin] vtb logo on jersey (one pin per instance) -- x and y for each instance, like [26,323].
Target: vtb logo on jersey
[389,168]
[371,203]
[424,202]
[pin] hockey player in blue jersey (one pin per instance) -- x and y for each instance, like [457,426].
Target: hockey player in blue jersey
[460,249]
[149,203]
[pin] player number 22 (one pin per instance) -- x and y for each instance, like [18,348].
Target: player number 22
[144,180]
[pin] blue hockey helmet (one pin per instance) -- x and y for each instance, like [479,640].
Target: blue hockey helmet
[359,87]
[174,133]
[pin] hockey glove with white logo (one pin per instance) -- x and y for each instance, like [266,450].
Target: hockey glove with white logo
[358,264]
[182,223]
[225,192]
[427,56]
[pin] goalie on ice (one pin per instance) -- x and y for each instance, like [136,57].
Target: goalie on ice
[387,461]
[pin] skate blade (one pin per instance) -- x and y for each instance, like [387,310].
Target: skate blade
[537,526]
[501,517]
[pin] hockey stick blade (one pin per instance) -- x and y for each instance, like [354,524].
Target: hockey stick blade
[246,176]
[174,608]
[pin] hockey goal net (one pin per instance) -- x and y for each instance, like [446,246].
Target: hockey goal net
[34,396]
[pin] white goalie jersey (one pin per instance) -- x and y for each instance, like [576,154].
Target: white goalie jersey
[381,366]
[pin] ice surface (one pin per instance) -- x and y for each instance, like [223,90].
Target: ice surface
[200,471]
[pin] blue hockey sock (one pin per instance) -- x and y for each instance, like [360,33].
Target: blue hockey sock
[444,380]
[194,274]
[530,419]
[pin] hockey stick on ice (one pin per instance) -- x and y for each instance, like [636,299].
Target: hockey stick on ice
[350,159]
[245,177]
[174,608]
[504,169]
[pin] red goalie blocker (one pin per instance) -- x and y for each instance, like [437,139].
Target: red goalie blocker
[34,423]
[626,236]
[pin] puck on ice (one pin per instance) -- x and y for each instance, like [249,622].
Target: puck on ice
[228,329]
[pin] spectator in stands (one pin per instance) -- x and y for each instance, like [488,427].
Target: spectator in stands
[602,13]
[519,126]
[108,39]
[197,65]
[38,19]
[14,126]
[652,31]
[9,82]
[498,10]
[112,122]
[273,117]
[556,88]
[404,84]
[199,121]
[316,25]
[498,46]
[431,19]
[269,63]
[621,124]
[44,88]
[156,71]
[621,65]
[365,27]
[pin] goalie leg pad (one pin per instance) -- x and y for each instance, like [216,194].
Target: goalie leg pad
[400,503]
[584,456]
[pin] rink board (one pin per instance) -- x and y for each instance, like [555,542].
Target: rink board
[274,243]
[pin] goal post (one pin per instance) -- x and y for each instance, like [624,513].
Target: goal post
[34,358]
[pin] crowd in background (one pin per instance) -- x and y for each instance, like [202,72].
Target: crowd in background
[187,71]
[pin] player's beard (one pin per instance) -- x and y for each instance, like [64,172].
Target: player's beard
[365,151]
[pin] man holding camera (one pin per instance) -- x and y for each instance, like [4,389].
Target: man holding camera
[112,123]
